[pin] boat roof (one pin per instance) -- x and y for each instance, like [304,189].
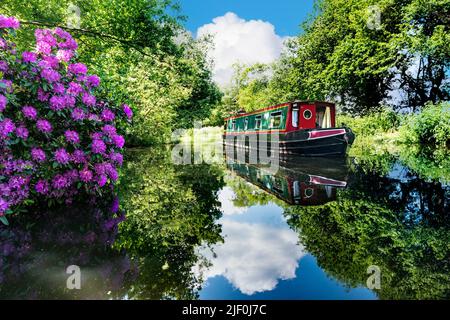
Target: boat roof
[240,115]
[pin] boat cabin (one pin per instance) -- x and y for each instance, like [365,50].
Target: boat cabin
[287,117]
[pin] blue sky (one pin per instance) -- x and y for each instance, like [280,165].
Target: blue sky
[244,31]
[285,15]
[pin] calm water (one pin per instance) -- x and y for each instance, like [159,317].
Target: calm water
[308,230]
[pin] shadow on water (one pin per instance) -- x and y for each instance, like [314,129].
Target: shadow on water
[346,215]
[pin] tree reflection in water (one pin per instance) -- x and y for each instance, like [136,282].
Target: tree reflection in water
[373,212]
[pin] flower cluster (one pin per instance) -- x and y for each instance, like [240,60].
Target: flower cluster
[58,138]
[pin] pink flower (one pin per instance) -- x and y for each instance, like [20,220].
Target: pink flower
[119,141]
[29,112]
[93,81]
[72,137]
[78,114]
[38,155]
[88,99]
[61,156]
[85,175]
[3,102]
[44,126]
[127,110]
[64,55]
[9,23]
[29,57]
[107,115]
[42,187]
[77,68]
[50,75]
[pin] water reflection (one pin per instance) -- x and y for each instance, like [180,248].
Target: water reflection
[297,181]
[308,230]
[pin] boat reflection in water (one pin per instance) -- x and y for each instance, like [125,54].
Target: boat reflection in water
[298,180]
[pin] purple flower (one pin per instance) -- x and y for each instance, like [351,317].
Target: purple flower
[93,117]
[78,156]
[6,127]
[64,55]
[9,23]
[42,95]
[44,126]
[116,157]
[57,103]
[88,99]
[78,114]
[38,155]
[43,47]
[107,115]
[29,112]
[93,81]
[62,156]
[59,182]
[98,146]
[58,88]
[119,141]
[74,88]
[49,62]
[3,102]
[42,187]
[128,111]
[3,66]
[45,35]
[115,205]
[72,136]
[50,75]
[3,205]
[109,130]
[101,181]
[22,132]
[77,68]
[29,56]
[85,175]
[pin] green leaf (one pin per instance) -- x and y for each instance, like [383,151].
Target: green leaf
[4,220]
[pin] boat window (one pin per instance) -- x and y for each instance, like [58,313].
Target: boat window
[296,191]
[307,114]
[246,124]
[295,117]
[233,125]
[258,123]
[309,192]
[323,117]
[275,120]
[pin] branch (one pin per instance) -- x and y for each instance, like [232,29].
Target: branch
[89,32]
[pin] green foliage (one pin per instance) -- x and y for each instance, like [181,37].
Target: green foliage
[430,128]
[346,56]
[142,54]
[366,226]
[170,210]
[385,120]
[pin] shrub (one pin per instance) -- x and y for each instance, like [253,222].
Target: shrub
[430,128]
[377,122]
[58,138]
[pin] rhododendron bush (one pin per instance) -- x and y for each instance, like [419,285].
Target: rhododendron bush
[58,138]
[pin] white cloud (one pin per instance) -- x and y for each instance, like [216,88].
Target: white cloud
[255,256]
[226,197]
[236,40]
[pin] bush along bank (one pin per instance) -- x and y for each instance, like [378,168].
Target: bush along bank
[58,138]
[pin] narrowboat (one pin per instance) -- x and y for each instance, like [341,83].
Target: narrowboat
[294,185]
[304,128]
